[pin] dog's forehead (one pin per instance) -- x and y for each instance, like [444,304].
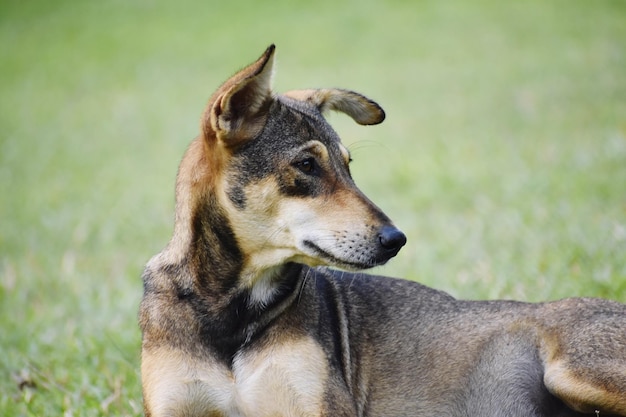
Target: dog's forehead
[289,128]
[300,106]
[308,120]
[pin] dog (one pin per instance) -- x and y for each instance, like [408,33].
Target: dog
[242,315]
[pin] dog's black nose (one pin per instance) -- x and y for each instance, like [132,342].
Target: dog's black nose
[391,238]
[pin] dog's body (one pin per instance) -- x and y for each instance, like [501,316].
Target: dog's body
[241,318]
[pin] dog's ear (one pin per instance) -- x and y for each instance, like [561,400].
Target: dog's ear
[363,110]
[237,111]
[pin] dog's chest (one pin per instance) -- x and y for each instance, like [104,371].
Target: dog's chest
[288,379]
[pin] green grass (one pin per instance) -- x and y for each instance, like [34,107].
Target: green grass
[503,156]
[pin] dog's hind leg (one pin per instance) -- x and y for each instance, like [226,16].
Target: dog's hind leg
[584,354]
[598,389]
[507,380]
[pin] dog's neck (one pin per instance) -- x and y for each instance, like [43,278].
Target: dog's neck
[204,267]
[203,240]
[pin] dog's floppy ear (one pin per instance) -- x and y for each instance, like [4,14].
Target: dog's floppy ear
[363,110]
[237,111]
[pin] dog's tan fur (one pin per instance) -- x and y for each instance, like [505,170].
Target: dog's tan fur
[240,316]
[293,372]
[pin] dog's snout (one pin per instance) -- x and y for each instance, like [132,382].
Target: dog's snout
[391,238]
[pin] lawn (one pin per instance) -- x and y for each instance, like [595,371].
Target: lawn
[503,156]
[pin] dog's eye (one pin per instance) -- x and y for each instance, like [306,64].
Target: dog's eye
[308,166]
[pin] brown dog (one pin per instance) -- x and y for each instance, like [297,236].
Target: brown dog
[240,317]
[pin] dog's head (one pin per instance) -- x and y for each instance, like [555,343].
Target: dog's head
[281,175]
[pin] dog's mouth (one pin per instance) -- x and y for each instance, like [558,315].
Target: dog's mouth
[357,261]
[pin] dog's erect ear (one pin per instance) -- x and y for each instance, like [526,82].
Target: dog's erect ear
[363,110]
[238,109]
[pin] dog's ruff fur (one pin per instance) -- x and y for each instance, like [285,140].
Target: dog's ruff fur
[241,317]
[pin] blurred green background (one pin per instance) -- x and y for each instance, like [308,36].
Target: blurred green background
[503,156]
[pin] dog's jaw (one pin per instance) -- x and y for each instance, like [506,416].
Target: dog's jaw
[349,261]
